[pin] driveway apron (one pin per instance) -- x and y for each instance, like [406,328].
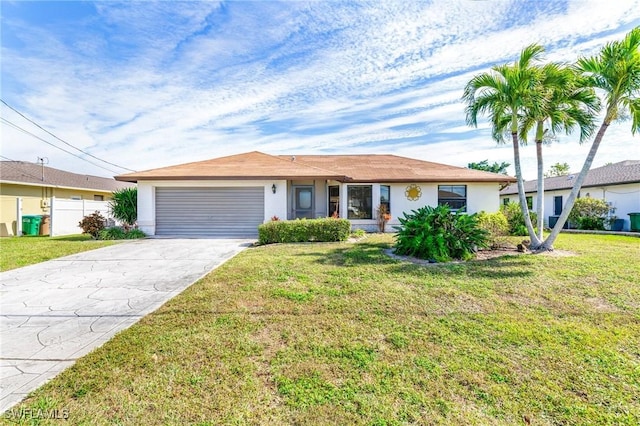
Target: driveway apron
[54,312]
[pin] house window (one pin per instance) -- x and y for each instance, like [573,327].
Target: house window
[359,202]
[505,201]
[454,196]
[98,198]
[385,198]
[530,203]
[75,197]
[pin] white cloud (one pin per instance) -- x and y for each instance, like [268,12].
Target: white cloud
[213,79]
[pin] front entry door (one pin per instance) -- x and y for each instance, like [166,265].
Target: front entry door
[303,202]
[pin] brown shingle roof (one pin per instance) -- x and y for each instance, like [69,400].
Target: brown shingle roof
[392,168]
[614,174]
[251,165]
[356,168]
[31,173]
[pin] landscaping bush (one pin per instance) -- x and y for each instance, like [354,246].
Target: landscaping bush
[302,230]
[514,216]
[92,224]
[589,213]
[438,234]
[497,226]
[118,233]
[124,206]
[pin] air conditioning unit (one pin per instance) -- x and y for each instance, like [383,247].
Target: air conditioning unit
[44,203]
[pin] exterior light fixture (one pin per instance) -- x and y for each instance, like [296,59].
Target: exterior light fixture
[273,188]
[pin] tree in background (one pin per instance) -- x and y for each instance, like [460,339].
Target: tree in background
[484,165]
[124,206]
[558,169]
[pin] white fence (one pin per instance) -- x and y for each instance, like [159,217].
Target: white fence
[65,215]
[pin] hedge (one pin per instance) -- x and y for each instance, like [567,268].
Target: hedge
[303,230]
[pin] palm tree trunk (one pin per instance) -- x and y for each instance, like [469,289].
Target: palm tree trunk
[535,242]
[547,245]
[540,190]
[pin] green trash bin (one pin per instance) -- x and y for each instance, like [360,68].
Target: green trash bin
[635,221]
[31,224]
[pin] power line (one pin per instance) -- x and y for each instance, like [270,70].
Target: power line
[15,126]
[61,140]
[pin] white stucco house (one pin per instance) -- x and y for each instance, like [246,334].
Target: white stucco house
[230,196]
[618,184]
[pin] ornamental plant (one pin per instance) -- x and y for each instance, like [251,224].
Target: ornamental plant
[124,206]
[437,234]
[589,213]
[92,224]
[515,218]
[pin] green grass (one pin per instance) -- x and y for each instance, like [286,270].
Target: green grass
[16,252]
[338,333]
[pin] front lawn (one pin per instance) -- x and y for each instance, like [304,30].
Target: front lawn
[16,252]
[339,333]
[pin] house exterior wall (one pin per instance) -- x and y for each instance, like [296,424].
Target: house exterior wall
[625,198]
[32,196]
[274,204]
[480,197]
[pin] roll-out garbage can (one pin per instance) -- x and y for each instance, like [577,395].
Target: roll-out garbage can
[635,221]
[31,224]
[45,225]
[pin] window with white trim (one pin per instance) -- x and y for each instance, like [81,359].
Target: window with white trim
[454,196]
[359,204]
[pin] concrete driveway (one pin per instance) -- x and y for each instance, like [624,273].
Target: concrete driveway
[54,312]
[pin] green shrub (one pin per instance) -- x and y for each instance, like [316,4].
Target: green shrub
[438,234]
[124,206]
[118,233]
[302,230]
[589,213]
[92,224]
[497,226]
[514,216]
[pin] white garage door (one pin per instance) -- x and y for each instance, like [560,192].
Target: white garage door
[209,212]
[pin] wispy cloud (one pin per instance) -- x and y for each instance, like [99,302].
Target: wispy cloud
[157,83]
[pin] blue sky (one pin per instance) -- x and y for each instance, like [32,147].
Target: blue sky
[149,84]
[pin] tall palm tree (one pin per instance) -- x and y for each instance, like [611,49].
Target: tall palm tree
[565,105]
[616,72]
[504,94]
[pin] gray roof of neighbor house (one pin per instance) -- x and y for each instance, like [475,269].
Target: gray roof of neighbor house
[614,174]
[23,172]
[343,168]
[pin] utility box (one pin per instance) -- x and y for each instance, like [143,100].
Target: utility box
[635,221]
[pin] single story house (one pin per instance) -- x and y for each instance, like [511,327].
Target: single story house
[230,196]
[36,185]
[618,184]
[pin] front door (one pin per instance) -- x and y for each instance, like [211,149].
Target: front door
[303,202]
[557,205]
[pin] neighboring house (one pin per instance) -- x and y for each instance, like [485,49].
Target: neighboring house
[618,184]
[231,196]
[37,185]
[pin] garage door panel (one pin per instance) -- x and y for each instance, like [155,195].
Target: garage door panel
[209,212]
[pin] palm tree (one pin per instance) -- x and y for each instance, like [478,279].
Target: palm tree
[616,72]
[565,104]
[504,94]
